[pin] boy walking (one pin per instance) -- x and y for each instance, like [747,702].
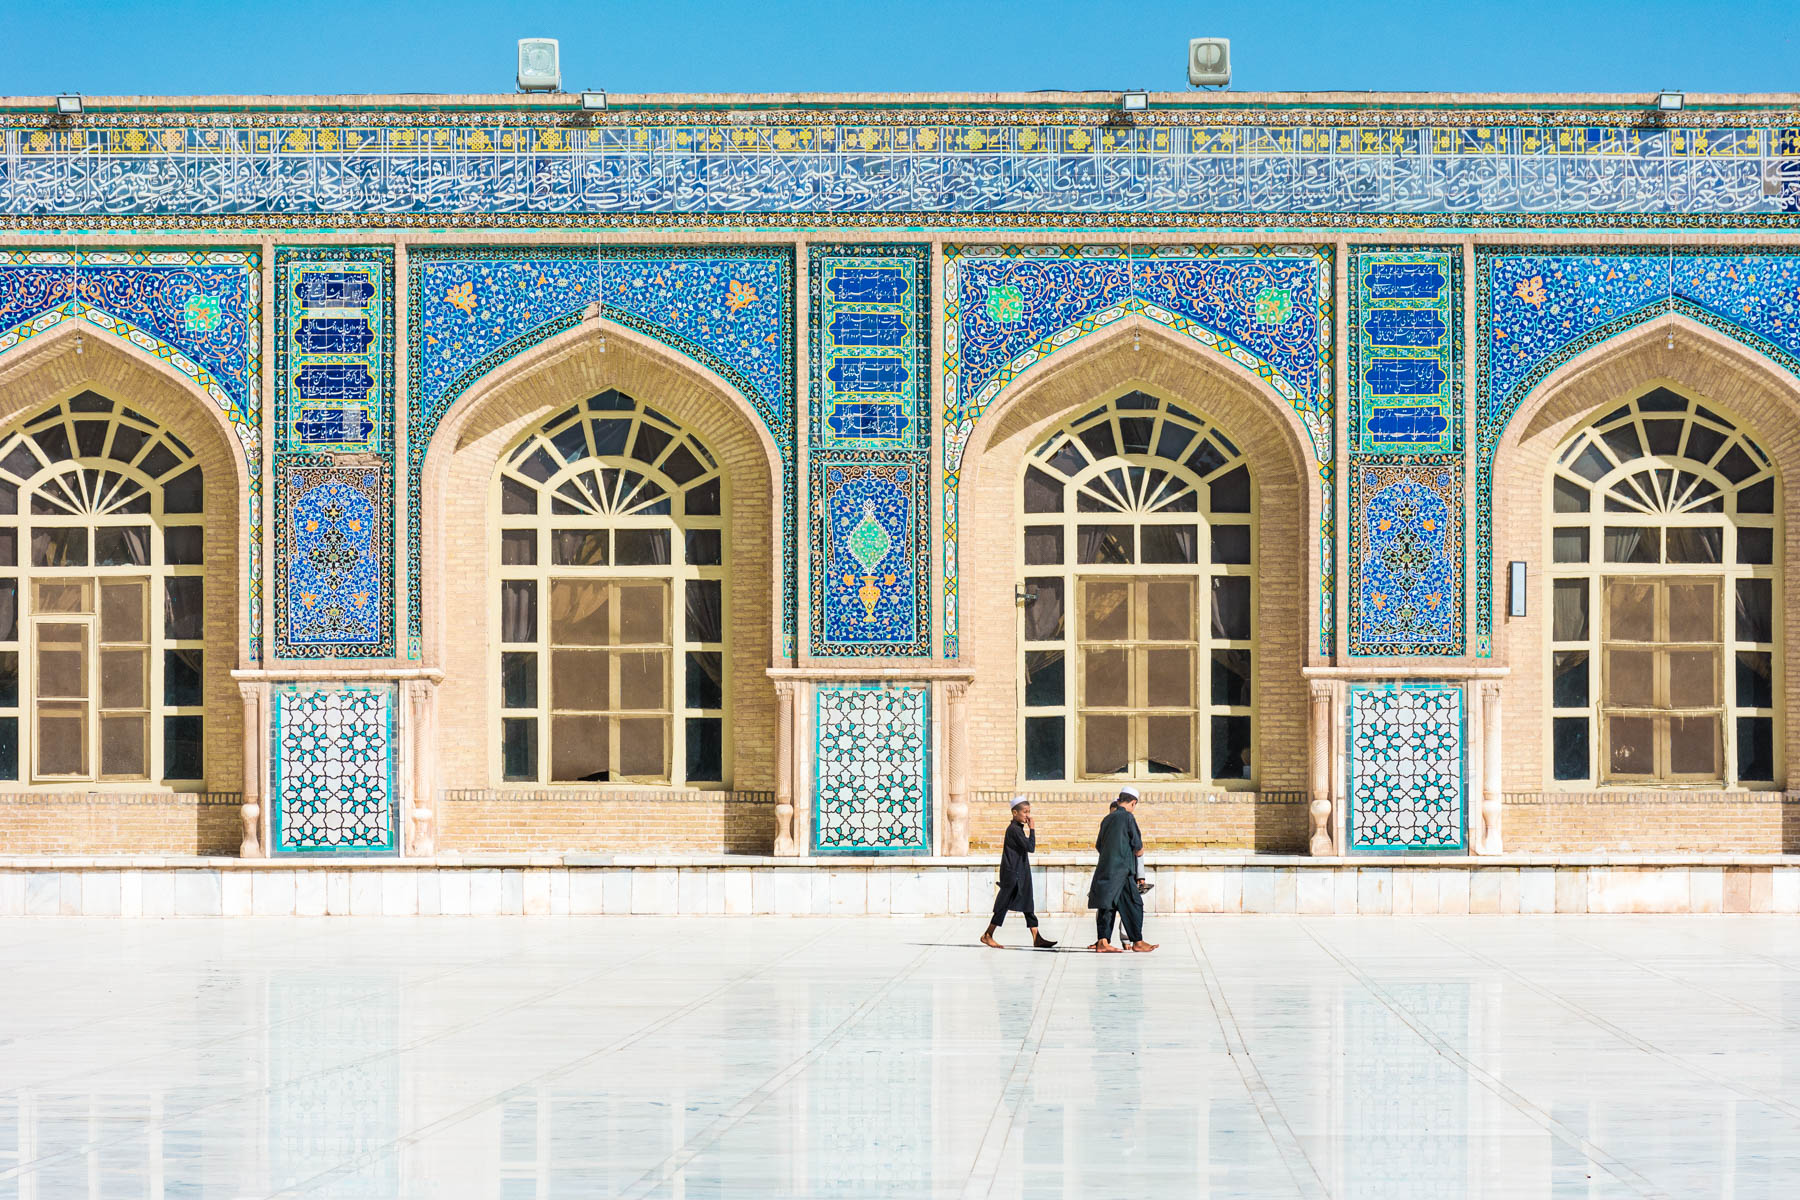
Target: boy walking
[1015,877]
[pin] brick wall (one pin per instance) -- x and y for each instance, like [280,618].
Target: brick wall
[1269,822]
[1753,823]
[102,823]
[675,823]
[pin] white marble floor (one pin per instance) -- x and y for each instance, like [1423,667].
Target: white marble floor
[696,1057]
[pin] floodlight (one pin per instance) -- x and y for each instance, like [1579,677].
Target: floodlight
[1134,101]
[1669,102]
[593,101]
[68,105]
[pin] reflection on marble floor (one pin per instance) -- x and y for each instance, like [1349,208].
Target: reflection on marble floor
[1252,1056]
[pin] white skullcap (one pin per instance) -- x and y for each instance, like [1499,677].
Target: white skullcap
[1128,791]
[1018,800]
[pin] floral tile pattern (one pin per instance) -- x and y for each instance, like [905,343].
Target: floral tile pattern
[870,565]
[336,558]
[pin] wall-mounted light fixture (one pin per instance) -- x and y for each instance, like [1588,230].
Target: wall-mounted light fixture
[593,102]
[1134,101]
[68,105]
[1515,606]
[1669,101]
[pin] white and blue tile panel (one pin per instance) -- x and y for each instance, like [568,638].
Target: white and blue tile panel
[1407,768]
[333,769]
[872,769]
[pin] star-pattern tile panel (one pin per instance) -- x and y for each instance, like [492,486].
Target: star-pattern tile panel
[871,785]
[1406,768]
[332,770]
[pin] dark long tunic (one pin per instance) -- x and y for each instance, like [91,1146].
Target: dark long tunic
[1119,844]
[1015,869]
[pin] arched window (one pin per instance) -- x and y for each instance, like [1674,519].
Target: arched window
[610,640]
[1138,599]
[1664,645]
[102,609]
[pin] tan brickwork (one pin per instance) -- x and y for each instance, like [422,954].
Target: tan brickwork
[458,517]
[1704,364]
[1268,822]
[687,823]
[128,817]
[1138,355]
[1554,823]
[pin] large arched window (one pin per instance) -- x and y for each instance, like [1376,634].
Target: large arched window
[1665,552]
[1137,599]
[610,631]
[102,615]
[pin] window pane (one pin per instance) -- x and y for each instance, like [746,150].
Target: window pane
[1169,678]
[185,492]
[62,662]
[1043,547]
[1043,494]
[643,613]
[705,681]
[579,680]
[1756,749]
[1170,610]
[1754,604]
[1630,610]
[1044,610]
[705,547]
[9,747]
[1231,677]
[705,616]
[1693,678]
[1691,545]
[184,612]
[641,676]
[518,610]
[1043,677]
[9,610]
[704,500]
[518,679]
[183,747]
[1632,741]
[59,547]
[1694,611]
[1631,678]
[578,750]
[579,612]
[63,596]
[1757,498]
[1231,492]
[123,745]
[1231,748]
[122,611]
[1106,748]
[577,547]
[1570,546]
[641,547]
[9,679]
[1570,735]
[1571,497]
[9,546]
[1173,543]
[124,681]
[1570,689]
[1231,606]
[517,497]
[1230,544]
[1106,681]
[1694,746]
[1106,611]
[1755,688]
[1043,747]
[1107,545]
[705,749]
[184,545]
[641,750]
[61,740]
[518,749]
[122,546]
[1755,546]
[1633,544]
[1171,745]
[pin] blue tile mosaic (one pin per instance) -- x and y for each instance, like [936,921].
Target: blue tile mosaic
[1540,307]
[870,575]
[473,308]
[336,555]
[1266,308]
[1406,556]
[332,757]
[870,332]
[1406,351]
[198,311]
[1535,166]
[1407,754]
[871,769]
[334,349]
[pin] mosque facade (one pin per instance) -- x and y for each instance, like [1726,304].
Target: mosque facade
[810,475]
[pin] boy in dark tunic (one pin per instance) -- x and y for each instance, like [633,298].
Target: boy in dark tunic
[1117,886]
[1015,877]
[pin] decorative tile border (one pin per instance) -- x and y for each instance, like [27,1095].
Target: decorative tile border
[473,308]
[869,327]
[872,769]
[1540,307]
[199,311]
[1268,308]
[332,770]
[871,565]
[1407,755]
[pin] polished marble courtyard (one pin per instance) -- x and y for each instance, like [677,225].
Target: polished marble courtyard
[693,1057]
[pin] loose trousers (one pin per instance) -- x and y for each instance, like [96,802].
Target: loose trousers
[1131,915]
[1000,910]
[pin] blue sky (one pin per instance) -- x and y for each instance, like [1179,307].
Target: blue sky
[190,47]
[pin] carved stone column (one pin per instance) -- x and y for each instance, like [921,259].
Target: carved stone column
[1491,786]
[956,758]
[1320,730]
[256,771]
[787,845]
[421,720]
